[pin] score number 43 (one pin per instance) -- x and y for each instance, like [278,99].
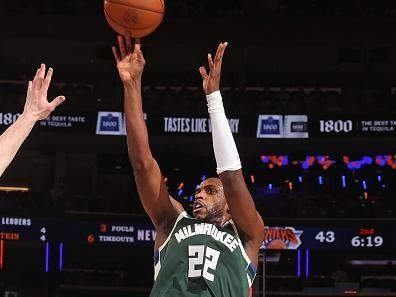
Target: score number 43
[325,236]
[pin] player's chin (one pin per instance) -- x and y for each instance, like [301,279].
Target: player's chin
[199,214]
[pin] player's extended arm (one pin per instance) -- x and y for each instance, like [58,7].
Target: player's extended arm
[36,108]
[150,183]
[242,208]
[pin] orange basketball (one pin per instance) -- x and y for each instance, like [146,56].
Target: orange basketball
[134,18]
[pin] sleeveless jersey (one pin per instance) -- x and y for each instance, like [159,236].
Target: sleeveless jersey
[201,259]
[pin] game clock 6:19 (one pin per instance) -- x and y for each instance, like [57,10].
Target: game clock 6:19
[367,241]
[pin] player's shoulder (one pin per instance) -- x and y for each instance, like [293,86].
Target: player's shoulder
[186,218]
[182,219]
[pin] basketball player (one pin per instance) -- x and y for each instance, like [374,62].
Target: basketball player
[215,252]
[36,108]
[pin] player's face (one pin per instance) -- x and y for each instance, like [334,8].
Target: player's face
[210,204]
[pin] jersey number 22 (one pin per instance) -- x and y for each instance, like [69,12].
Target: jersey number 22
[198,255]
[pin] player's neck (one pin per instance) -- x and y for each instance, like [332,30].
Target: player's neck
[222,221]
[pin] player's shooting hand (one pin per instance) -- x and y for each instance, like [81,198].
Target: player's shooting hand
[37,106]
[130,61]
[211,81]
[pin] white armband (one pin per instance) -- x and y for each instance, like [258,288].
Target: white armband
[225,150]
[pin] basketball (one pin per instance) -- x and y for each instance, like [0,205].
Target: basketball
[134,18]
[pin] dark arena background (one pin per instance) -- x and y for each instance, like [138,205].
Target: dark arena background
[310,92]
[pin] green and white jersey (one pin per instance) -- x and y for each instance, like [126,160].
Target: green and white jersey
[201,259]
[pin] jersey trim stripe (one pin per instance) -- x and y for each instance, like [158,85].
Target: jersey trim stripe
[157,253]
[240,243]
[247,259]
[250,282]
[252,269]
[157,268]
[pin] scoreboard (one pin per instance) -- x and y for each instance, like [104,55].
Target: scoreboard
[76,231]
[348,237]
[315,235]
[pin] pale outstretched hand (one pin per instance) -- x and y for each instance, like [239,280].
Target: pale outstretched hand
[130,61]
[211,81]
[37,106]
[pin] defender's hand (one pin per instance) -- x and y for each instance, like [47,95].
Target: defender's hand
[37,106]
[211,81]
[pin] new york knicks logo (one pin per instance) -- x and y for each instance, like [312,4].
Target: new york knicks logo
[281,238]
